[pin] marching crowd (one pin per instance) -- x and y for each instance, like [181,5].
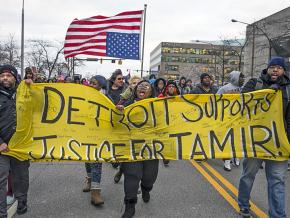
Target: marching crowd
[123,91]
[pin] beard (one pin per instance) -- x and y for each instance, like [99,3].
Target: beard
[7,84]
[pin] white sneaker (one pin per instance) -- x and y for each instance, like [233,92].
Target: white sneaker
[237,161]
[227,165]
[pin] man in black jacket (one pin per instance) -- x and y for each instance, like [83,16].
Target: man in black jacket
[274,78]
[205,86]
[19,169]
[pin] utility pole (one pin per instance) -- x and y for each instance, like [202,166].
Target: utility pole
[22,41]
[253,52]
[143,41]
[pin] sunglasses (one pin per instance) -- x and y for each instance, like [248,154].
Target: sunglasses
[120,78]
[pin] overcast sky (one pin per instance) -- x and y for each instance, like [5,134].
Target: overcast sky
[169,21]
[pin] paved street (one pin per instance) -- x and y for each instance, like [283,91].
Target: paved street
[183,189]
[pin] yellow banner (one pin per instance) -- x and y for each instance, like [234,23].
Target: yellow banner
[77,123]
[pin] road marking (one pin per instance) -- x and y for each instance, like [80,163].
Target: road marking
[228,185]
[234,190]
[217,186]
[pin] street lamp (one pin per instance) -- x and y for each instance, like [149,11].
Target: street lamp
[255,26]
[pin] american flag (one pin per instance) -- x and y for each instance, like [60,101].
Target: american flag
[117,36]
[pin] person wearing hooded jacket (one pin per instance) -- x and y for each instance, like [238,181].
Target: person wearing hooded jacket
[237,80]
[273,77]
[94,170]
[159,86]
[170,90]
[18,169]
[140,171]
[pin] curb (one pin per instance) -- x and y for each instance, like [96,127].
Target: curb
[12,209]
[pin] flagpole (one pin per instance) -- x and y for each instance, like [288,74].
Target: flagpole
[143,41]
[22,41]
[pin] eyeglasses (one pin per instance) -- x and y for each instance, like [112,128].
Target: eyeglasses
[276,67]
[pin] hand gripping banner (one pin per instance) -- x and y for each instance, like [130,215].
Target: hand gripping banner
[71,122]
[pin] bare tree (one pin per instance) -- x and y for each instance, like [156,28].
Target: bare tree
[44,55]
[229,49]
[9,52]
[238,51]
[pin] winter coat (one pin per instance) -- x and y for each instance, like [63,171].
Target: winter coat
[281,84]
[115,94]
[200,90]
[7,114]
[183,89]
[233,86]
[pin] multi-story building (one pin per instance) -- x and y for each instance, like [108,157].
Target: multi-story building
[172,60]
[266,38]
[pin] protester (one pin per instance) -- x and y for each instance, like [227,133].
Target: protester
[18,169]
[60,79]
[170,90]
[237,80]
[152,78]
[116,87]
[144,171]
[68,79]
[10,197]
[203,88]
[213,86]
[85,82]
[39,78]
[273,77]
[182,86]
[159,86]
[189,86]
[205,85]
[94,170]
[125,96]
[133,81]
[28,74]
[77,80]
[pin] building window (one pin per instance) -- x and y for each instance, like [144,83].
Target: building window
[171,68]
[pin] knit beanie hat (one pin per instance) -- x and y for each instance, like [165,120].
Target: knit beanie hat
[203,75]
[9,68]
[277,61]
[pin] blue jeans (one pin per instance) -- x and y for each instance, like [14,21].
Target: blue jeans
[94,171]
[276,176]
